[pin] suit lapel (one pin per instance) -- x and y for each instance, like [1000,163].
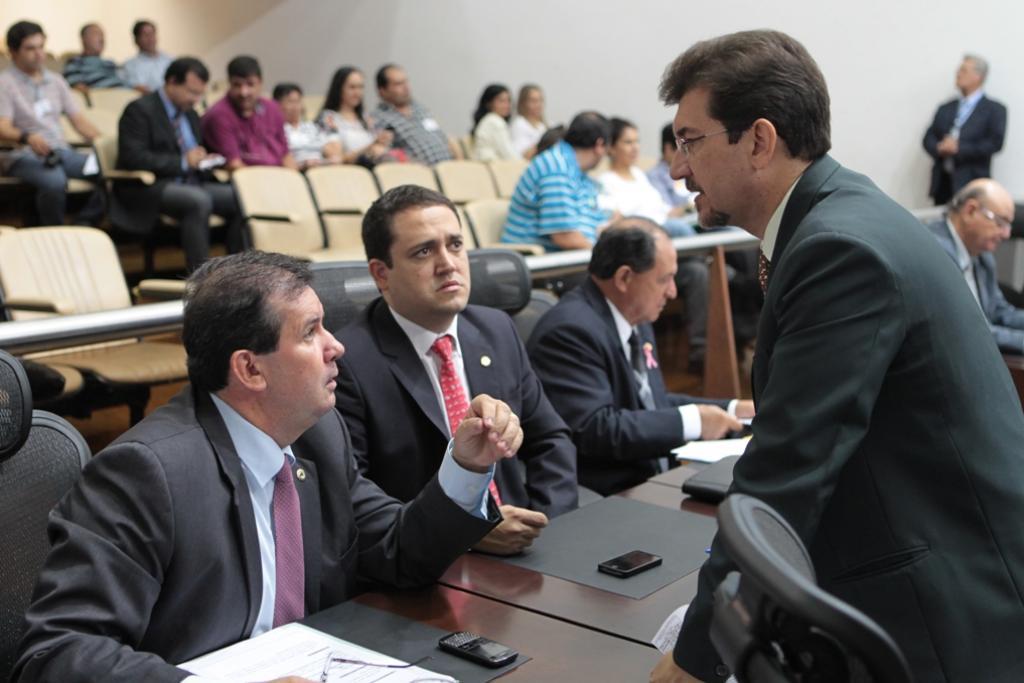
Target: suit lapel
[308,487]
[478,359]
[245,520]
[595,299]
[159,114]
[405,366]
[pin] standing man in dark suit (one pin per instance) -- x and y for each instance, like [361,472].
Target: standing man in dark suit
[160,133]
[395,373]
[595,354]
[979,218]
[888,433]
[238,506]
[965,133]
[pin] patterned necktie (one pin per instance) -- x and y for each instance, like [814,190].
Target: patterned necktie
[290,585]
[639,363]
[455,403]
[191,175]
[763,264]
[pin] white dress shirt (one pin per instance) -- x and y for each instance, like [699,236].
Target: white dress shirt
[964,260]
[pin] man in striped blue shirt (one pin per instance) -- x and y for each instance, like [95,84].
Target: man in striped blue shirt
[555,202]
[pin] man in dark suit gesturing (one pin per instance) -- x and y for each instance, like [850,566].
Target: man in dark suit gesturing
[896,460]
[965,133]
[596,356]
[418,352]
[160,133]
[238,506]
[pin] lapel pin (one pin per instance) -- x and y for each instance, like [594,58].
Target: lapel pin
[485,361]
[300,474]
[649,356]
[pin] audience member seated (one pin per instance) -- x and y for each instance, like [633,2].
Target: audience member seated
[555,202]
[90,69]
[596,357]
[244,127]
[415,130]
[308,143]
[491,138]
[625,188]
[529,125]
[673,192]
[145,71]
[416,354]
[32,100]
[978,219]
[160,132]
[187,533]
[361,142]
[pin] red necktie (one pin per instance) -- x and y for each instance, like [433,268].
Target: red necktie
[455,403]
[290,586]
[762,271]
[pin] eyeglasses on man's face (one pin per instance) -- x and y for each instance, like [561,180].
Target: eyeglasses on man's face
[1001,222]
[687,145]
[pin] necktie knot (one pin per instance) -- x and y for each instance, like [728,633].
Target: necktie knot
[442,346]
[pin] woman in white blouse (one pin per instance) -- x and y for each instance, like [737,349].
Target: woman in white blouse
[626,189]
[343,114]
[528,127]
[491,138]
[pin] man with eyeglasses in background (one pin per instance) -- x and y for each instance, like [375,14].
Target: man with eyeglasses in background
[980,216]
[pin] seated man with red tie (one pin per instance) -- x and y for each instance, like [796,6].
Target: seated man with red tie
[416,355]
[238,507]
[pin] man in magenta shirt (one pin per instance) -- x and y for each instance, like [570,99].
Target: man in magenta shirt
[246,129]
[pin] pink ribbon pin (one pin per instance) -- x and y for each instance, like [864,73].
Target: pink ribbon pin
[649,355]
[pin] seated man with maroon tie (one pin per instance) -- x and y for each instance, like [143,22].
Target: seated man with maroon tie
[416,355]
[238,506]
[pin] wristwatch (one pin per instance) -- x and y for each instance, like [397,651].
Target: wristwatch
[23,138]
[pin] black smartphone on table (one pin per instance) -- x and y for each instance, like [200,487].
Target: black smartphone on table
[477,649]
[628,564]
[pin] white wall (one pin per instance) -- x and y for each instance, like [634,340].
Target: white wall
[888,64]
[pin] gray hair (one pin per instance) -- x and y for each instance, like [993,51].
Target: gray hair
[980,65]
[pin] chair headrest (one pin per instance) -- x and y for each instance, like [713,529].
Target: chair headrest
[500,279]
[15,406]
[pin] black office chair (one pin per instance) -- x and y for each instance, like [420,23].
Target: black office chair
[772,622]
[500,278]
[541,301]
[345,288]
[41,456]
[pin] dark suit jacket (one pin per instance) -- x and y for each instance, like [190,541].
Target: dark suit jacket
[1004,319]
[398,427]
[980,137]
[155,556]
[146,141]
[578,356]
[887,433]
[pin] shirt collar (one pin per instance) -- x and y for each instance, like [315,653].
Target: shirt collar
[963,257]
[622,325]
[422,338]
[44,77]
[972,99]
[169,107]
[771,231]
[567,152]
[258,452]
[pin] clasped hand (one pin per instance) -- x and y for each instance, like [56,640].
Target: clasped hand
[489,432]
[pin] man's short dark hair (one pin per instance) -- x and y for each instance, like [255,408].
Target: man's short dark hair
[380,217]
[19,31]
[586,129]
[382,75]
[757,74]
[180,68]
[81,33]
[628,242]
[244,66]
[227,308]
[282,90]
[139,25]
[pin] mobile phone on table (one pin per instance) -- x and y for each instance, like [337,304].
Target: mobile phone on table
[628,564]
[477,649]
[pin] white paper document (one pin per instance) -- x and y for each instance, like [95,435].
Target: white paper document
[711,451]
[297,650]
[666,637]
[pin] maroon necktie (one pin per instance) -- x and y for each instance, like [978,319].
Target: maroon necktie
[455,403]
[290,588]
[762,271]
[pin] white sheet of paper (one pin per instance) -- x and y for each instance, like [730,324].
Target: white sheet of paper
[711,451]
[666,637]
[297,650]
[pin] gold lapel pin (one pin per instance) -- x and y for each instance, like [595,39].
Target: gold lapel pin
[485,361]
[300,474]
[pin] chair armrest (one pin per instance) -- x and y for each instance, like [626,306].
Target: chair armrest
[281,217]
[38,305]
[340,212]
[222,175]
[159,290]
[144,177]
[524,249]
